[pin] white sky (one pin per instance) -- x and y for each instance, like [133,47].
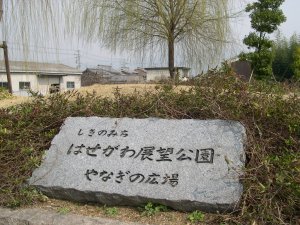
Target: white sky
[291,9]
[92,54]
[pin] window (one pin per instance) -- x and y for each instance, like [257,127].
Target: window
[70,84]
[4,85]
[24,85]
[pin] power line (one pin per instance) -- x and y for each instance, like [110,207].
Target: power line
[43,47]
[107,59]
[91,54]
[35,49]
[62,49]
[58,52]
[43,52]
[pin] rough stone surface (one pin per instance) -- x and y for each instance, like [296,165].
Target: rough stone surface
[185,164]
[47,217]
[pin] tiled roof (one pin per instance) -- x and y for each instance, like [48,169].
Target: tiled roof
[112,72]
[23,66]
[167,68]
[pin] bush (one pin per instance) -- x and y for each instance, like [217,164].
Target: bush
[271,180]
[4,94]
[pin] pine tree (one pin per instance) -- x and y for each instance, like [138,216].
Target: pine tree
[265,16]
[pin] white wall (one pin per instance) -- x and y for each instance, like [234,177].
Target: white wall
[40,84]
[44,83]
[16,78]
[75,78]
[156,75]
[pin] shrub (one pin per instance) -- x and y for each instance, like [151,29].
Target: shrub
[271,180]
[4,94]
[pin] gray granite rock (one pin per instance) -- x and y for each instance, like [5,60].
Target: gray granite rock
[37,216]
[184,164]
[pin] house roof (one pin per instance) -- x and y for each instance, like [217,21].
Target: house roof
[167,68]
[102,70]
[38,67]
[113,72]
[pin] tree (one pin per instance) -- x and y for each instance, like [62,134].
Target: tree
[193,28]
[265,18]
[296,63]
[33,22]
[281,64]
[295,54]
[286,57]
[194,32]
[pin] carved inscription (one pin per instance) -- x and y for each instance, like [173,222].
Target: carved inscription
[108,133]
[120,176]
[150,153]
[145,153]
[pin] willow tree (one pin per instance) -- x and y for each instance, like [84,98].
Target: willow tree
[28,24]
[195,29]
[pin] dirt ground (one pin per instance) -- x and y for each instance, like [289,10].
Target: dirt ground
[121,213]
[129,214]
[105,90]
[15,100]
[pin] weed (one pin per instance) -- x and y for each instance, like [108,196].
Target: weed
[196,216]
[63,210]
[111,211]
[27,150]
[150,209]
[51,133]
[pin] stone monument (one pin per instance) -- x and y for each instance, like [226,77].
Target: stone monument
[185,164]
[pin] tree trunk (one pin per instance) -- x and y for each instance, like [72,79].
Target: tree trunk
[171,58]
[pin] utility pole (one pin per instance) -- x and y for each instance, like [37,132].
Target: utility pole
[1,9]
[77,59]
[4,46]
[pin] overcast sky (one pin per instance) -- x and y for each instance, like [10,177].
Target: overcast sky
[291,9]
[92,54]
[241,27]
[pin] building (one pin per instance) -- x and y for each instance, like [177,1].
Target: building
[43,78]
[162,73]
[241,68]
[104,74]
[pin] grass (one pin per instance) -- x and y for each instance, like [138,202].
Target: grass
[272,175]
[7,99]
